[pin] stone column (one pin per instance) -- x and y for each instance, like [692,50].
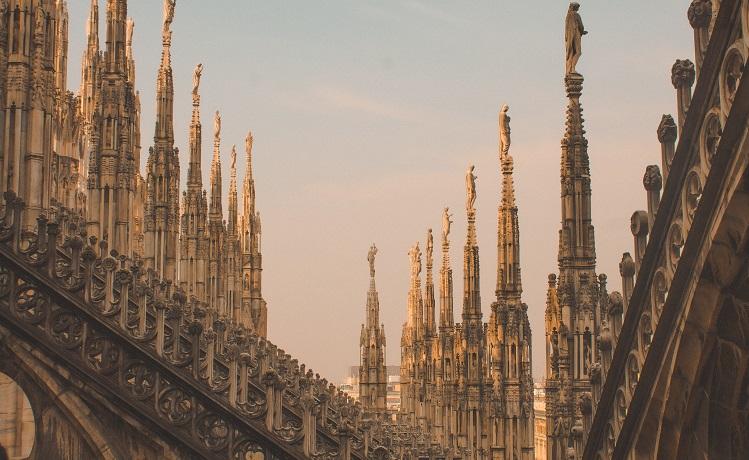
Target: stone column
[667,138]
[639,227]
[653,183]
[682,77]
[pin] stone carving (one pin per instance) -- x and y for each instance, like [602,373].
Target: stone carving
[504,131]
[233,156]
[217,126]
[371,259]
[248,141]
[196,74]
[470,190]
[573,33]
[682,73]
[129,31]
[667,129]
[699,13]
[415,256]
[430,248]
[652,179]
[446,222]
[168,17]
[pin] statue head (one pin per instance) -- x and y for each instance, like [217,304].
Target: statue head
[505,108]
[574,6]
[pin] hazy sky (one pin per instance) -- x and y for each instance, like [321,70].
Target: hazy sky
[366,115]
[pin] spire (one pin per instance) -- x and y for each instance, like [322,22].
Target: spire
[429,325]
[194,174]
[61,48]
[414,293]
[232,225]
[446,275]
[508,231]
[576,239]
[130,27]
[164,130]
[116,35]
[373,303]
[215,211]
[92,29]
[248,189]
[471,285]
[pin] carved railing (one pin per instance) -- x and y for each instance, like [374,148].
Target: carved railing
[212,386]
[664,246]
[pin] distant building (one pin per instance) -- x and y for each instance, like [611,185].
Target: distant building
[539,412]
[350,385]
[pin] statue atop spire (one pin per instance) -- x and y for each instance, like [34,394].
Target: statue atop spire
[415,256]
[573,33]
[166,32]
[196,74]
[504,131]
[470,190]
[446,222]
[371,259]
[217,126]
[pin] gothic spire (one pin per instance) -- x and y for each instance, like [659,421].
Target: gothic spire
[508,231]
[446,275]
[194,174]
[232,225]
[471,285]
[373,303]
[92,29]
[164,131]
[116,35]
[248,189]
[429,325]
[216,212]
[576,238]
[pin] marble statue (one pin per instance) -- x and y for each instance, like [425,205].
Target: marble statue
[430,247]
[504,131]
[168,15]
[415,254]
[446,222]
[470,189]
[248,141]
[573,33]
[233,156]
[196,79]
[217,125]
[371,259]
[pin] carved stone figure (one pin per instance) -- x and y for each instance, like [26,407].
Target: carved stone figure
[196,74]
[415,256]
[233,156]
[168,16]
[217,126]
[371,259]
[573,33]
[470,190]
[430,247]
[504,131]
[446,222]
[248,141]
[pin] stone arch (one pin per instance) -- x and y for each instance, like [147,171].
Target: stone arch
[730,75]
[18,426]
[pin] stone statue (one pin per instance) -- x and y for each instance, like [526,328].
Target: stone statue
[196,74]
[415,255]
[446,222]
[258,228]
[430,247]
[168,16]
[217,126]
[573,33]
[504,131]
[233,156]
[248,141]
[470,189]
[371,259]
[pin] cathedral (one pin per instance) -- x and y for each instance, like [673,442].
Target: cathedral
[81,151]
